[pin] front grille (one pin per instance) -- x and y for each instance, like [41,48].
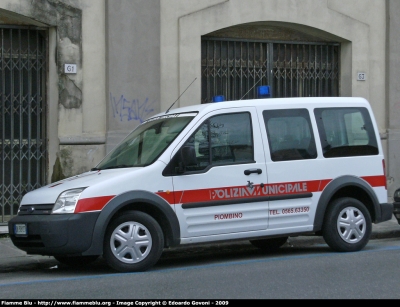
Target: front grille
[36,209]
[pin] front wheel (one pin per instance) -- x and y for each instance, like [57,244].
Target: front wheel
[134,242]
[347,225]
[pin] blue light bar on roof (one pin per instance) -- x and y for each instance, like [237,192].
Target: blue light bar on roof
[263,91]
[218,98]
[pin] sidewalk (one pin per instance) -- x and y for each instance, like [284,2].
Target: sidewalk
[12,258]
[3,229]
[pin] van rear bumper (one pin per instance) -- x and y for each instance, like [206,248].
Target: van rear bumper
[61,234]
[396,211]
[386,213]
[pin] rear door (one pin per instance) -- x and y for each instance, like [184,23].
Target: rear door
[221,193]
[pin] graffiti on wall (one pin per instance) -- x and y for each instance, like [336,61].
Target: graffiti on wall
[127,110]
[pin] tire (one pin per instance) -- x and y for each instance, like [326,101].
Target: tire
[269,245]
[347,225]
[133,242]
[76,261]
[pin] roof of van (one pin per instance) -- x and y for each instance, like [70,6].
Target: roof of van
[301,101]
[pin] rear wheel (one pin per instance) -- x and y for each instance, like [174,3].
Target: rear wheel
[269,245]
[134,242]
[76,261]
[347,225]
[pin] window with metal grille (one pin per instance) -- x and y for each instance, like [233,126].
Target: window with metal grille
[22,115]
[234,68]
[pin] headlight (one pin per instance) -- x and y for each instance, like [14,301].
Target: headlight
[396,195]
[67,201]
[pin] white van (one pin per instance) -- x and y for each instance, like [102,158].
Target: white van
[260,170]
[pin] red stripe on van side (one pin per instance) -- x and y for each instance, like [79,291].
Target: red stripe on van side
[92,204]
[376,181]
[322,184]
[168,196]
[243,192]
[237,192]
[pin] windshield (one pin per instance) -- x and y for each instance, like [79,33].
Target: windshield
[147,142]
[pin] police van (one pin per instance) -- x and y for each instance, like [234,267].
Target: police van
[260,170]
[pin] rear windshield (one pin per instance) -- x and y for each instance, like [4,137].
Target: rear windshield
[147,142]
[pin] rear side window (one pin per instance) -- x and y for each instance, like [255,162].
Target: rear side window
[290,135]
[346,132]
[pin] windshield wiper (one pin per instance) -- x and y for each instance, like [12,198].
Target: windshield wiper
[118,166]
[111,167]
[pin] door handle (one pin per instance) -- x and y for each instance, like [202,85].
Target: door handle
[252,171]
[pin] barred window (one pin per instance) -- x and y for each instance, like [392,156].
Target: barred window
[23,148]
[234,68]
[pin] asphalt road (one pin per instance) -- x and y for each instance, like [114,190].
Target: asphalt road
[304,267]
[300,270]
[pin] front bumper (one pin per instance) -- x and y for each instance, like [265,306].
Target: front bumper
[396,211]
[55,234]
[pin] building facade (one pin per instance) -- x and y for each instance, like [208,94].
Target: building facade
[78,75]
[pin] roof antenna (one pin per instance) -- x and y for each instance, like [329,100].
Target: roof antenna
[251,88]
[180,96]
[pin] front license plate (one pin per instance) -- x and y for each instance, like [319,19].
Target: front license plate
[20,230]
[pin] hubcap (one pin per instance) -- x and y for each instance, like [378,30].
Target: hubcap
[131,242]
[351,225]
